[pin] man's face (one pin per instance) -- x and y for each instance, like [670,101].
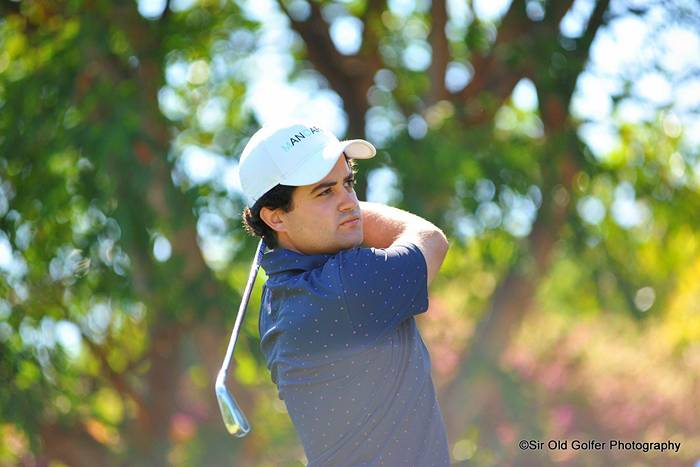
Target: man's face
[316,222]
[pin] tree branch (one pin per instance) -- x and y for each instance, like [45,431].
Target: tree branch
[166,11]
[371,19]
[555,100]
[117,379]
[491,73]
[596,20]
[350,76]
[319,45]
[441,53]
[7,7]
[556,12]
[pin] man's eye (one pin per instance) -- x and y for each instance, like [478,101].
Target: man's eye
[349,183]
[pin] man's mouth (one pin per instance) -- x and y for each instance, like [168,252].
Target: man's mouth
[351,221]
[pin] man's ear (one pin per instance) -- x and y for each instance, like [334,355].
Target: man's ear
[274,218]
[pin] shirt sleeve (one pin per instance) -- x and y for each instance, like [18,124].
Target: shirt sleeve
[383,286]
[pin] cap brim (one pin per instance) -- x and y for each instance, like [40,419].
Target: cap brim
[319,165]
[358,149]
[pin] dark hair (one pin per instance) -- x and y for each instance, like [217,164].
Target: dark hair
[278,197]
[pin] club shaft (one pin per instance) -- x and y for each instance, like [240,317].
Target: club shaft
[242,308]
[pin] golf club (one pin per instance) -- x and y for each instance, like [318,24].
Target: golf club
[234,419]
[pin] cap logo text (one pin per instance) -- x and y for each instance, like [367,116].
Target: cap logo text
[297,138]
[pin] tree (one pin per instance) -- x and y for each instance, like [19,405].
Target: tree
[108,235]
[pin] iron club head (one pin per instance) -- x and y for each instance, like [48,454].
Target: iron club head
[234,419]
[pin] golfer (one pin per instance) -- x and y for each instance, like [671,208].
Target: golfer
[345,279]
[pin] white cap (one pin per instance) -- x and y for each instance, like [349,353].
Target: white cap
[293,154]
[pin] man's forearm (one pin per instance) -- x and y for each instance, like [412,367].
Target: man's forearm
[382,224]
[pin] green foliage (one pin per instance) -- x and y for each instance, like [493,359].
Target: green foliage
[115,350]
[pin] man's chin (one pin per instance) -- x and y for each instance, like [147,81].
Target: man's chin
[347,245]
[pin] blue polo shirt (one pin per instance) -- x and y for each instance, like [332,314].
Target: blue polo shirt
[342,346]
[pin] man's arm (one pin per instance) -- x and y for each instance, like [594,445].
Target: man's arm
[385,225]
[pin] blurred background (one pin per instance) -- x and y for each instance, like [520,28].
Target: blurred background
[557,143]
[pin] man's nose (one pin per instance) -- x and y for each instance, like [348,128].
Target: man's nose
[348,200]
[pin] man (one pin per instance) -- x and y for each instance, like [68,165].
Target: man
[336,319]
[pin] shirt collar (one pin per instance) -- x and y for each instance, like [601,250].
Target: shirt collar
[281,260]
